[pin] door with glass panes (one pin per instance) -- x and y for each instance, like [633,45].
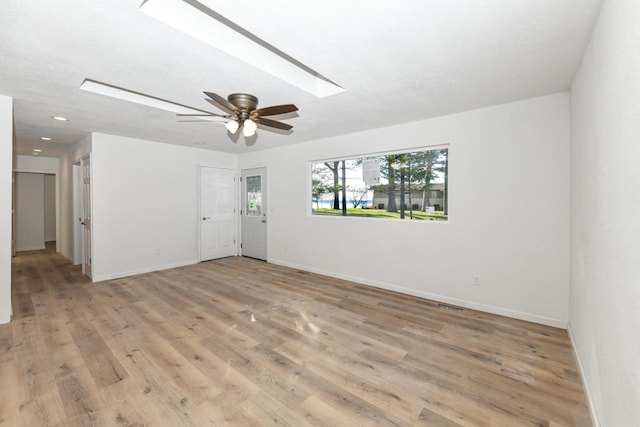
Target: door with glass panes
[254,213]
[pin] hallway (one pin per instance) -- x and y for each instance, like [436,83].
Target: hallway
[37,275]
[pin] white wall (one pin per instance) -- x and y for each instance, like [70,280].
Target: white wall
[29,210]
[49,208]
[6,174]
[45,165]
[605,215]
[516,155]
[37,164]
[145,206]
[66,217]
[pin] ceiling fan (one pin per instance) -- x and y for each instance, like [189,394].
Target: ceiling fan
[241,109]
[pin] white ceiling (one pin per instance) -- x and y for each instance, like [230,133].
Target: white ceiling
[398,61]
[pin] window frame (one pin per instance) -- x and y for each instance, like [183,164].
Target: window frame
[309,186]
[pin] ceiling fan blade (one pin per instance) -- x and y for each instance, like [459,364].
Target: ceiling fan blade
[273,123]
[198,121]
[276,109]
[220,102]
[202,115]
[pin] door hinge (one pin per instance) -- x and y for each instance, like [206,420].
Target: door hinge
[240,245]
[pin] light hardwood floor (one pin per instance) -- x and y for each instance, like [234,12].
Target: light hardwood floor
[241,342]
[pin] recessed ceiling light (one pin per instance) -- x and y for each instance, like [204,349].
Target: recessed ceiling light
[137,97]
[45,138]
[37,150]
[206,25]
[60,118]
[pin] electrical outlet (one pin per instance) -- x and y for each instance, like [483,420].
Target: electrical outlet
[476,280]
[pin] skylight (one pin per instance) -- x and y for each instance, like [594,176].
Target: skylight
[206,25]
[137,97]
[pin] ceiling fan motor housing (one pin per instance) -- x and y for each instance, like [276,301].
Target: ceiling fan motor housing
[243,101]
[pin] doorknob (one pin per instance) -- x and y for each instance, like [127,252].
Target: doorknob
[204,218]
[264,220]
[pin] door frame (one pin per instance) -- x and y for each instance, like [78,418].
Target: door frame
[78,214]
[90,205]
[236,228]
[45,171]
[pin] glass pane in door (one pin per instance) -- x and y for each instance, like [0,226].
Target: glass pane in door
[254,195]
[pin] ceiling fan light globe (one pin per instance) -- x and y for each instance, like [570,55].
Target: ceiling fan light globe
[232,126]
[249,128]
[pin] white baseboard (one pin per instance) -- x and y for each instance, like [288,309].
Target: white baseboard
[121,274]
[590,403]
[501,311]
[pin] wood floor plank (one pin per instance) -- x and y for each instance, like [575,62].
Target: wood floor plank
[182,372]
[38,400]
[153,389]
[319,413]
[23,306]
[237,342]
[9,403]
[102,364]
[432,419]
[6,340]
[79,399]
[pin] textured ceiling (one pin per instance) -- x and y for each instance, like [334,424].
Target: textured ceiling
[398,61]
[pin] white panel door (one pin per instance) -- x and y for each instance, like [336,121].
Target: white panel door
[217,213]
[254,213]
[87,261]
